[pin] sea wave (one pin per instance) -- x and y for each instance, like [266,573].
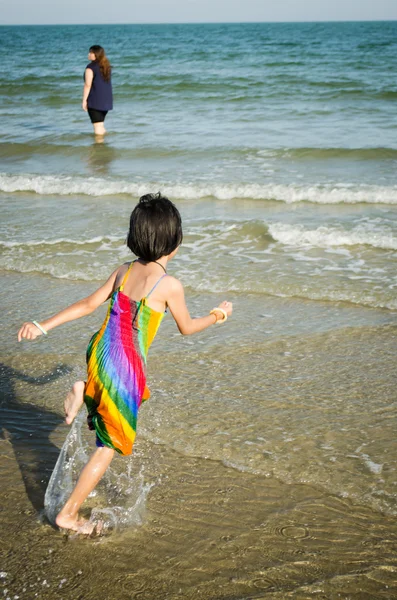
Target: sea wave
[253,232]
[72,144]
[323,237]
[331,153]
[61,241]
[288,193]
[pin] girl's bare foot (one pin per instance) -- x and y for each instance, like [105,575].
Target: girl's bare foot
[74,401]
[81,526]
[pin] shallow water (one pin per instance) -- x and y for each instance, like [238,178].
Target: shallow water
[276,140]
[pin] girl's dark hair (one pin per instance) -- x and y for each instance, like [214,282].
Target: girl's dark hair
[102,60]
[155,228]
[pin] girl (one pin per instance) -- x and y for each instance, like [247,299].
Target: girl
[97,92]
[139,294]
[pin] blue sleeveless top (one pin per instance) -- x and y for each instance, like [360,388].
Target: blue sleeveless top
[100,96]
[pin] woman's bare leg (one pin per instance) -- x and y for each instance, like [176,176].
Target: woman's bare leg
[74,401]
[99,128]
[67,518]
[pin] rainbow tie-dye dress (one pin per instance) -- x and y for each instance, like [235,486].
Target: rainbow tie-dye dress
[116,367]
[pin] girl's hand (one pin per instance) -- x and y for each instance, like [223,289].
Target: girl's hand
[29,331]
[84,105]
[227,307]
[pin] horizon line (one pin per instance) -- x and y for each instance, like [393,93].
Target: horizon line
[200,23]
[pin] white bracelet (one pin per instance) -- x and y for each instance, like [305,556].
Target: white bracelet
[39,327]
[213,311]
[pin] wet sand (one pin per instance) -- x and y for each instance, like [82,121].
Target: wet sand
[209,531]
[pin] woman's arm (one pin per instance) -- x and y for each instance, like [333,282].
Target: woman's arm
[88,78]
[187,325]
[79,309]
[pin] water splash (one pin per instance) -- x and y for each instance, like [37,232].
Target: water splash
[120,498]
[72,458]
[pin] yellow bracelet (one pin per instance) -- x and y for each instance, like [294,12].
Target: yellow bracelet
[213,311]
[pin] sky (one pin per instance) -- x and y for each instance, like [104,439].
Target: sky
[33,12]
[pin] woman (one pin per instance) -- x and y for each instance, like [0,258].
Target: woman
[97,93]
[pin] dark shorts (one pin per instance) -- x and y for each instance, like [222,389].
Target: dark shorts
[98,442]
[91,427]
[97,116]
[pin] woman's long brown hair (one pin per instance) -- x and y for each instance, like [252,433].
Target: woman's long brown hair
[102,60]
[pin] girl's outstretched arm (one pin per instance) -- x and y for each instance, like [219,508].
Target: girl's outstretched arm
[84,307]
[186,324]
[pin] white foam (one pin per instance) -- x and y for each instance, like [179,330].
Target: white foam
[289,193]
[374,467]
[297,235]
[54,242]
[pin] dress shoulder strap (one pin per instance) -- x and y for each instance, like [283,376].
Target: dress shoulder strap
[155,285]
[121,287]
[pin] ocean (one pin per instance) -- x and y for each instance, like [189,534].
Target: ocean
[265,464]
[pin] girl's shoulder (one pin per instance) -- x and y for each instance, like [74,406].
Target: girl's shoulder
[169,284]
[121,272]
[172,285]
